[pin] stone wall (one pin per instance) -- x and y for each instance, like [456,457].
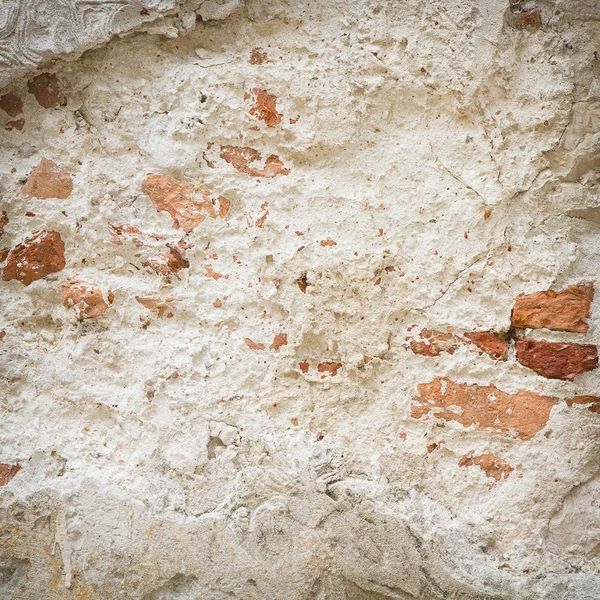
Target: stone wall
[299,304]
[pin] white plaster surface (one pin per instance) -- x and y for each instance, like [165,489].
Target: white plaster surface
[162,458]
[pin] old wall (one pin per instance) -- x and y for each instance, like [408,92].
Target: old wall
[299,304]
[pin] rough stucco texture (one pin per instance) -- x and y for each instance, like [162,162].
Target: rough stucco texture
[299,305]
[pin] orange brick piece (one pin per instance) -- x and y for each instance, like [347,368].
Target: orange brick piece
[11,104]
[494,467]
[557,360]
[265,107]
[241,157]
[179,199]
[487,408]
[559,311]
[593,402]
[84,299]
[7,472]
[48,180]
[46,90]
[39,255]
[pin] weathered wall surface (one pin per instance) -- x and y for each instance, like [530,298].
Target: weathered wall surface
[300,305]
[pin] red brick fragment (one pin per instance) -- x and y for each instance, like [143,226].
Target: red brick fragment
[491,343]
[302,283]
[46,90]
[557,360]
[559,311]
[2,335]
[258,56]
[18,125]
[265,108]
[278,341]
[179,199]
[7,472]
[253,345]
[159,305]
[328,242]
[3,254]
[117,232]
[3,221]
[530,19]
[494,467]
[593,402]
[487,408]
[329,367]
[86,300]
[303,366]
[240,158]
[169,263]
[38,256]
[433,343]
[48,180]
[11,104]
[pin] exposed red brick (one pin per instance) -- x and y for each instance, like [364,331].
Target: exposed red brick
[3,254]
[212,274]
[559,311]
[11,104]
[38,256]
[86,300]
[178,198]
[7,472]
[328,242]
[158,305]
[46,90]
[48,180]
[486,407]
[117,232]
[278,341]
[528,19]
[433,343]
[494,467]
[265,107]
[435,446]
[593,402]
[329,367]
[258,56]
[491,343]
[217,303]
[240,158]
[18,125]
[253,345]
[294,421]
[303,366]
[3,221]
[224,206]
[2,335]
[302,283]
[169,263]
[557,360]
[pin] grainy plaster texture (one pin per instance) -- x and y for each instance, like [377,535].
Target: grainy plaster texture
[298,303]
